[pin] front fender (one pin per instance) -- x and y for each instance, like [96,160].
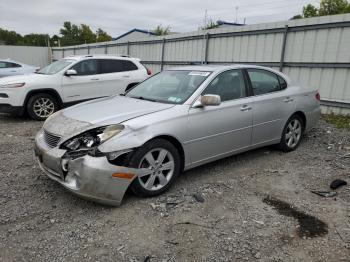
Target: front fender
[131,138]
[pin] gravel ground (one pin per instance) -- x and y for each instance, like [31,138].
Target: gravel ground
[254,206]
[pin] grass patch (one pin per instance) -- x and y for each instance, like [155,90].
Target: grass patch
[338,121]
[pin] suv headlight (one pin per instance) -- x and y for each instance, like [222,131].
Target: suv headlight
[92,138]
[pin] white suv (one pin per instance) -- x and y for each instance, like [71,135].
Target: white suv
[69,81]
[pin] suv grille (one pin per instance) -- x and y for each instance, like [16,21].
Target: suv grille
[50,139]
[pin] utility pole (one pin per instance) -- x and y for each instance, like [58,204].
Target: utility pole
[236,14]
[205,18]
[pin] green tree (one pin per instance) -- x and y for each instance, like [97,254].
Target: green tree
[327,7]
[210,25]
[333,7]
[102,36]
[70,34]
[86,36]
[296,17]
[55,40]
[310,11]
[36,39]
[161,30]
[10,37]
[75,35]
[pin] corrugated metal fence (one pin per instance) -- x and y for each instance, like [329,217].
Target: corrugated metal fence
[31,55]
[314,52]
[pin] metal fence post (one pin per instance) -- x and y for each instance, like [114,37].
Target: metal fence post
[162,57]
[206,39]
[106,49]
[128,48]
[62,52]
[284,43]
[73,50]
[88,49]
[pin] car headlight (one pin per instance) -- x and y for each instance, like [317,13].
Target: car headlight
[15,85]
[92,138]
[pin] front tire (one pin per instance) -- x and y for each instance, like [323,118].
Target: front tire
[41,106]
[292,134]
[160,161]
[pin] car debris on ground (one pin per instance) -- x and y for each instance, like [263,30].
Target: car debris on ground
[337,183]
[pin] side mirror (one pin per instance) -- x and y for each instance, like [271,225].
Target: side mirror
[71,72]
[208,100]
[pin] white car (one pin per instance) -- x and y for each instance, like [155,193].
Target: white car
[10,67]
[69,81]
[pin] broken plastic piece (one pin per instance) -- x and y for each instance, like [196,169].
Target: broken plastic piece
[325,193]
[198,197]
[337,183]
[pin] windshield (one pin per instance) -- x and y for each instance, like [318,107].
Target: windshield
[55,67]
[173,87]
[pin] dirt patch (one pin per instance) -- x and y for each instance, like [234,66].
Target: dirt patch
[309,226]
[40,221]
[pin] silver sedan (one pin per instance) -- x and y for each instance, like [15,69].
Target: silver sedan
[10,67]
[176,120]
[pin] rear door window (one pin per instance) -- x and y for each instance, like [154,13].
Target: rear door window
[129,66]
[110,66]
[263,81]
[13,65]
[3,64]
[8,64]
[283,82]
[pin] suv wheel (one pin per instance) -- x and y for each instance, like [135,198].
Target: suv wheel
[41,106]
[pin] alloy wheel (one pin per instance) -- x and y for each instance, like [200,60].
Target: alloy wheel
[293,134]
[157,168]
[43,107]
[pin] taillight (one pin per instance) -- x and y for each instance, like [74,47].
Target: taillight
[318,97]
[149,72]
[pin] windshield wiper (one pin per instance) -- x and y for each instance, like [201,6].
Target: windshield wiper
[143,98]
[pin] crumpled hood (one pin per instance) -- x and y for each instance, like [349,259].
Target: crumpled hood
[100,112]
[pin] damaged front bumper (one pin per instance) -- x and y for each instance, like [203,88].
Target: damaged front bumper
[87,176]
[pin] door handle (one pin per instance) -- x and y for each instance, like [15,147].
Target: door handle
[245,108]
[95,79]
[288,99]
[126,76]
[13,71]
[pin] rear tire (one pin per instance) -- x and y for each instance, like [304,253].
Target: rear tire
[161,162]
[41,106]
[292,134]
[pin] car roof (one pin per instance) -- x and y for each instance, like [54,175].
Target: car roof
[81,57]
[9,60]
[222,67]
[216,67]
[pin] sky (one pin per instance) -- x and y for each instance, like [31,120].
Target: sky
[117,17]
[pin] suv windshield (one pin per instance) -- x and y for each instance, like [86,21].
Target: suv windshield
[55,67]
[173,87]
